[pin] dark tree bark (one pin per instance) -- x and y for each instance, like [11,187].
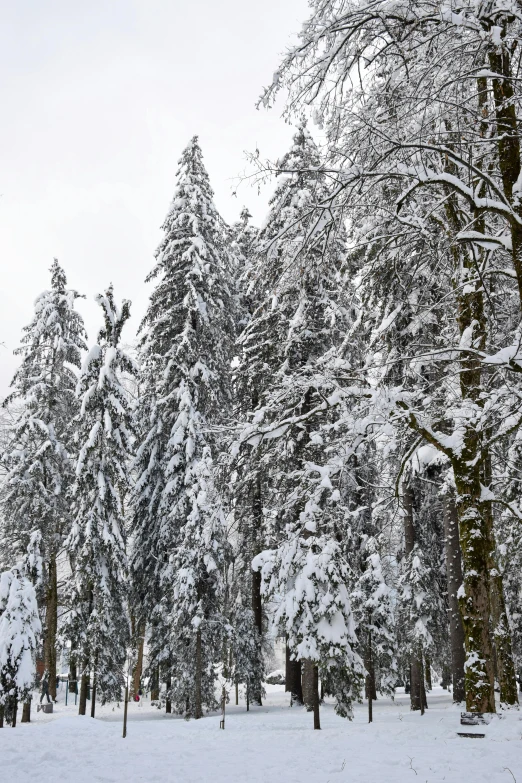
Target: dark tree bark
[370,678]
[454,575]
[73,676]
[257,603]
[26,712]
[505,664]
[93,694]
[293,679]
[168,703]
[51,625]
[317,721]
[198,707]
[307,682]
[154,691]
[311,689]
[409,543]
[82,709]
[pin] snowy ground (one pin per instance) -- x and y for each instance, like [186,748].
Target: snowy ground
[267,744]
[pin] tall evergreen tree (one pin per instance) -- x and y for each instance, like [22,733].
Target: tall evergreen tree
[289,349]
[97,622]
[373,610]
[19,631]
[186,350]
[36,499]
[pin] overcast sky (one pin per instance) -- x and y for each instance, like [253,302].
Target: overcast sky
[98,101]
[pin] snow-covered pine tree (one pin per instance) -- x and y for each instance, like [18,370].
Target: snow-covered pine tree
[373,610]
[289,352]
[244,237]
[36,494]
[20,628]
[416,613]
[97,622]
[185,352]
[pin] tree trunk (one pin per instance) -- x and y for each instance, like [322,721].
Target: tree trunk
[422,692]
[474,600]
[51,625]
[168,702]
[73,676]
[15,713]
[138,669]
[1,716]
[26,712]
[307,680]
[409,543]
[311,689]
[317,721]
[293,682]
[154,691]
[370,679]
[93,692]
[198,709]
[454,576]
[415,685]
[505,665]
[83,690]
[427,674]
[257,604]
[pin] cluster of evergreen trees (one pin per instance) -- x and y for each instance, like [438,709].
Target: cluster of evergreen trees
[319,436]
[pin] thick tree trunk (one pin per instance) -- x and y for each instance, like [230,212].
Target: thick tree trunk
[474,600]
[505,664]
[83,690]
[409,543]
[415,685]
[454,576]
[293,679]
[51,625]
[307,681]
[198,707]
[26,712]
[154,691]
[311,690]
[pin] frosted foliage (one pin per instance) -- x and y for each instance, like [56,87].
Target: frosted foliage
[185,351]
[373,610]
[97,623]
[20,628]
[38,457]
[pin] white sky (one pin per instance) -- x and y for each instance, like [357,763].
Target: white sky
[98,101]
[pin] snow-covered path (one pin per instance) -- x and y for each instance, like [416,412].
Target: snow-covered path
[267,744]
